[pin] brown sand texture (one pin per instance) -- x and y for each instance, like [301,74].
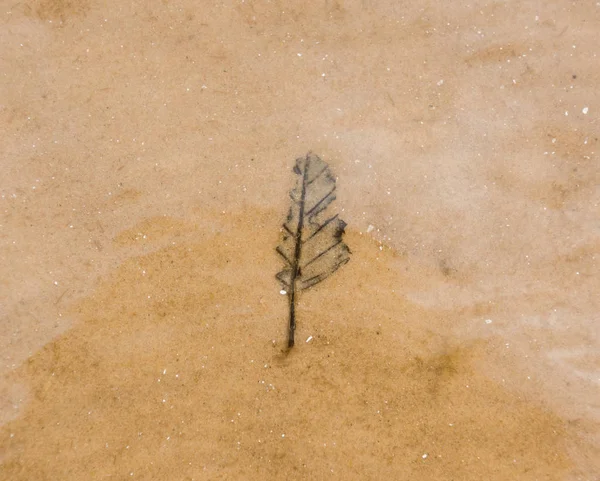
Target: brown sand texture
[146,162]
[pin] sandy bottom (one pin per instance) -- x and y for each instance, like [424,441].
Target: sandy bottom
[145,170]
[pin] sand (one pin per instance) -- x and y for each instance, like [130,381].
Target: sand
[146,167]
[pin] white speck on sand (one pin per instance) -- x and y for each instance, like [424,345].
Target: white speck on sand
[370,228]
[440,83]
[425,456]
[310,338]
[283,292]
[585,110]
[488,321]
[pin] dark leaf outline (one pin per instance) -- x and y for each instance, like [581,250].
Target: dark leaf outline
[312,246]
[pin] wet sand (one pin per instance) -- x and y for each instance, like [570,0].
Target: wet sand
[146,171]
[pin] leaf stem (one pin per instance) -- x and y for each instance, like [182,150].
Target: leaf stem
[297,253]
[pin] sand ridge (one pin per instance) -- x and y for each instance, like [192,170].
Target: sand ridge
[177,368]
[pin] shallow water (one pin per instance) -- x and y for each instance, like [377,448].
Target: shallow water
[147,168]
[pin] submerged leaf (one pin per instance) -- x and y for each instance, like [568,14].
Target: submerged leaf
[311,246]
